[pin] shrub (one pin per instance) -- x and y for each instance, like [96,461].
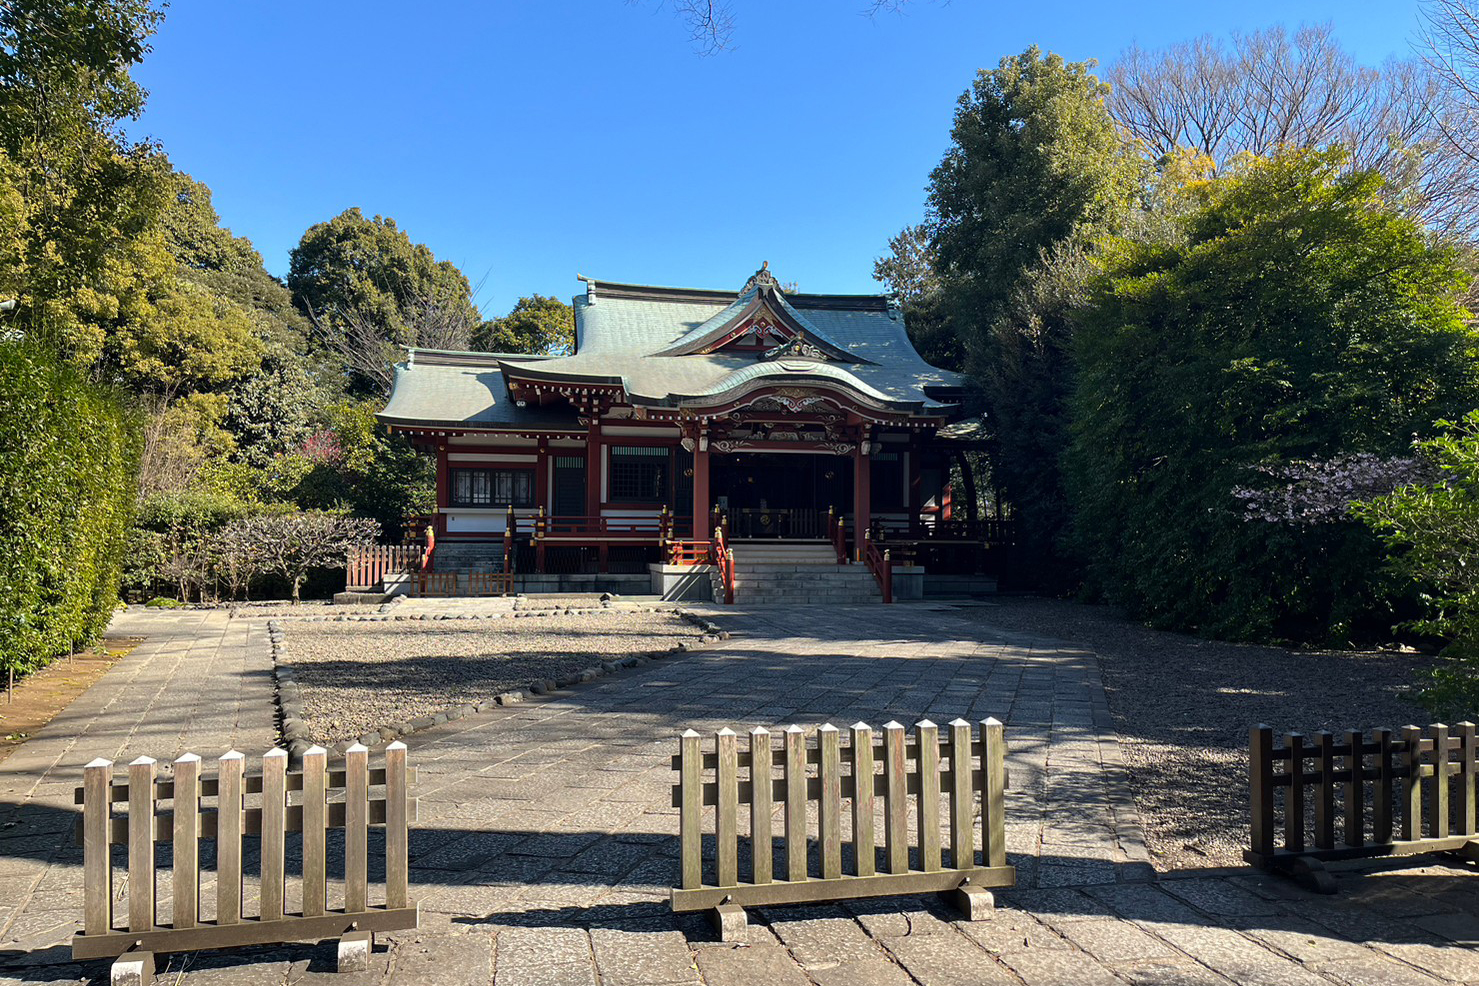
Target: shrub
[67,481]
[164,602]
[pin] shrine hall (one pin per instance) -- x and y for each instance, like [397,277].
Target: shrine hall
[693,428]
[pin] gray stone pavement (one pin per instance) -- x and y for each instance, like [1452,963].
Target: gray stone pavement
[546,843]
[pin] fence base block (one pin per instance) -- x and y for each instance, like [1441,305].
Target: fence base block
[132,969]
[354,951]
[1311,874]
[976,903]
[729,922]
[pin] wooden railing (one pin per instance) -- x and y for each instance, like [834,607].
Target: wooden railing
[1399,794]
[831,773]
[271,818]
[837,534]
[722,556]
[690,552]
[368,567]
[881,565]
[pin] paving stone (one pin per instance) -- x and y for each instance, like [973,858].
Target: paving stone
[947,960]
[1054,967]
[632,958]
[1306,941]
[822,941]
[1116,941]
[1374,970]
[1220,898]
[1238,958]
[877,971]
[749,965]
[1446,961]
[543,957]
[1171,973]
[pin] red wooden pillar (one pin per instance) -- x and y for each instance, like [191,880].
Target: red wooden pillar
[444,490]
[541,475]
[916,502]
[701,489]
[862,508]
[594,458]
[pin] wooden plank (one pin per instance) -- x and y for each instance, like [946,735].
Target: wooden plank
[863,805]
[1412,802]
[896,803]
[186,831]
[1355,793]
[928,765]
[315,849]
[993,792]
[1381,791]
[1261,788]
[1325,790]
[356,828]
[1466,747]
[397,828]
[141,914]
[1294,800]
[726,816]
[228,838]
[249,932]
[761,810]
[829,812]
[795,803]
[97,857]
[844,888]
[274,831]
[690,817]
[962,796]
[1438,809]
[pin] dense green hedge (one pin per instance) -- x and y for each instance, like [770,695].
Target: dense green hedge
[69,453]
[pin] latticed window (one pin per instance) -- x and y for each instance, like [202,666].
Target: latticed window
[492,487]
[639,474]
[888,481]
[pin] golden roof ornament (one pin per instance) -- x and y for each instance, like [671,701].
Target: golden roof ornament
[761,279]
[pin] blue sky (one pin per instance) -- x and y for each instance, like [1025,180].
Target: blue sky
[527,142]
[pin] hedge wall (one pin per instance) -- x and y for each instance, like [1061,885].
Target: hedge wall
[69,452]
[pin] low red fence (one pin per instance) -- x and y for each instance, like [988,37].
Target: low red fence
[690,552]
[367,567]
[723,557]
[882,567]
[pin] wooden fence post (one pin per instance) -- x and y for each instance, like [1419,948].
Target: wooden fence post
[1466,738]
[228,837]
[1294,799]
[1381,792]
[397,827]
[315,824]
[761,823]
[274,831]
[97,872]
[795,803]
[896,799]
[141,914]
[993,792]
[186,908]
[1355,790]
[1261,788]
[863,804]
[726,819]
[1412,801]
[927,766]
[1438,817]
[1325,791]
[829,808]
[690,846]
[356,826]
[962,796]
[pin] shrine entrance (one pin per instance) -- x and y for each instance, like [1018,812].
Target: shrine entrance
[780,494]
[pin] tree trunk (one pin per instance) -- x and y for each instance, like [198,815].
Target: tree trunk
[297,581]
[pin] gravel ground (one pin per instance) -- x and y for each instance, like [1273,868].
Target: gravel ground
[1183,707]
[356,677]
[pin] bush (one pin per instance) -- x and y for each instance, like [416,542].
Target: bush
[67,482]
[164,602]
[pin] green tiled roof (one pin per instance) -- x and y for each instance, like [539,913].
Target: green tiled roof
[621,329]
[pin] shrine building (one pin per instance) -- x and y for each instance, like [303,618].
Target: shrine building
[782,427]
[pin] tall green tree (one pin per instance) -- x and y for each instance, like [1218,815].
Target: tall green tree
[536,324]
[368,289]
[1298,317]
[1036,172]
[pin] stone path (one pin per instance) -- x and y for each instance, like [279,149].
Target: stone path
[546,844]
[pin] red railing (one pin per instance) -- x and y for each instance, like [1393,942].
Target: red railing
[367,567]
[882,567]
[723,558]
[689,552]
[837,534]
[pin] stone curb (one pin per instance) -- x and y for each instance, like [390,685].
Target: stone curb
[294,729]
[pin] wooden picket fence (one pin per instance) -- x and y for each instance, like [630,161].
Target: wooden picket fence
[1347,796]
[876,774]
[369,565]
[311,801]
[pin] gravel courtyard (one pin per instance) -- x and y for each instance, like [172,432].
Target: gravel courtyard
[357,677]
[1182,707]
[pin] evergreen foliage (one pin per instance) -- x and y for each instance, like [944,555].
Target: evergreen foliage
[1297,316]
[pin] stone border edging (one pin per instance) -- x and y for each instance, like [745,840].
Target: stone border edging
[293,727]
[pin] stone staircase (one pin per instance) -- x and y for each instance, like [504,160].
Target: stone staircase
[796,574]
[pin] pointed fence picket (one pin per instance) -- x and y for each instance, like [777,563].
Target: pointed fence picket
[844,780]
[1350,796]
[227,808]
